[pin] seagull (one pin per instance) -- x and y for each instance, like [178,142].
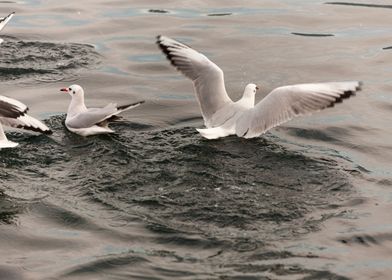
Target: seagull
[4,21]
[222,116]
[90,121]
[13,114]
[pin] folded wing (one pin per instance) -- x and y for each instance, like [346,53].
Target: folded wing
[285,103]
[92,116]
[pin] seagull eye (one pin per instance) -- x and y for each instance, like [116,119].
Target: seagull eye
[70,89]
[73,92]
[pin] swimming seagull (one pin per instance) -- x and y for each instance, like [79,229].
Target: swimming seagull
[4,21]
[223,117]
[90,121]
[13,114]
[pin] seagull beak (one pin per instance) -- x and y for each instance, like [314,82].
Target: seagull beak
[64,89]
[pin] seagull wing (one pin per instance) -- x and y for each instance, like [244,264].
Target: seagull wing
[5,20]
[26,122]
[13,114]
[92,116]
[207,77]
[11,108]
[285,103]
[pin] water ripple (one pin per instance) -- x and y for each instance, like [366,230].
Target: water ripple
[29,60]
[195,196]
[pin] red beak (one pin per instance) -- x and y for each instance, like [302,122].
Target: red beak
[64,89]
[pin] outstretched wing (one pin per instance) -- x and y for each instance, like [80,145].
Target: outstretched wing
[11,108]
[5,20]
[13,114]
[26,122]
[207,77]
[285,103]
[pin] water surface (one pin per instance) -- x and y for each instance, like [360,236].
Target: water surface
[308,200]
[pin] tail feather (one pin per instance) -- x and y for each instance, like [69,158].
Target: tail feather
[214,133]
[7,144]
[4,142]
[123,108]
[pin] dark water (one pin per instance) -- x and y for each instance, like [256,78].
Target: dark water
[29,61]
[308,200]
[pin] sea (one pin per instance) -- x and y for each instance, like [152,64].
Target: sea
[310,199]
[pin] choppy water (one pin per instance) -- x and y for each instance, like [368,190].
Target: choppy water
[34,60]
[309,200]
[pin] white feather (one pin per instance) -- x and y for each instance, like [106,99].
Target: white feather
[90,121]
[206,76]
[223,117]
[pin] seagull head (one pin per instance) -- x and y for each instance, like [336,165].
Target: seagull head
[251,89]
[74,91]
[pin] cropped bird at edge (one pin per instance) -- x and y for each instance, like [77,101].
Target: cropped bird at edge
[91,121]
[4,21]
[224,117]
[14,114]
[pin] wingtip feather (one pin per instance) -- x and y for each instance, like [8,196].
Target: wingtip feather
[347,94]
[130,106]
[168,46]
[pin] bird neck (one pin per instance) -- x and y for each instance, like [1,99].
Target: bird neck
[76,106]
[248,99]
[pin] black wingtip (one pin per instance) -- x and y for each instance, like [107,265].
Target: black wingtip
[346,94]
[48,132]
[35,129]
[165,50]
[123,107]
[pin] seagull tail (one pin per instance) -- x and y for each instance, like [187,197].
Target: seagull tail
[7,144]
[214,133]
[123,108]
[4,142]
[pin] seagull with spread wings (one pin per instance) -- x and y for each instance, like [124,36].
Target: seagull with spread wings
[223,117]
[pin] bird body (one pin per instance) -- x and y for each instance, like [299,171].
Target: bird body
[223,117]
[91,121]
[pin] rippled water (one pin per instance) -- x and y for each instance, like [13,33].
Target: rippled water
[35,60]
[308,200]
